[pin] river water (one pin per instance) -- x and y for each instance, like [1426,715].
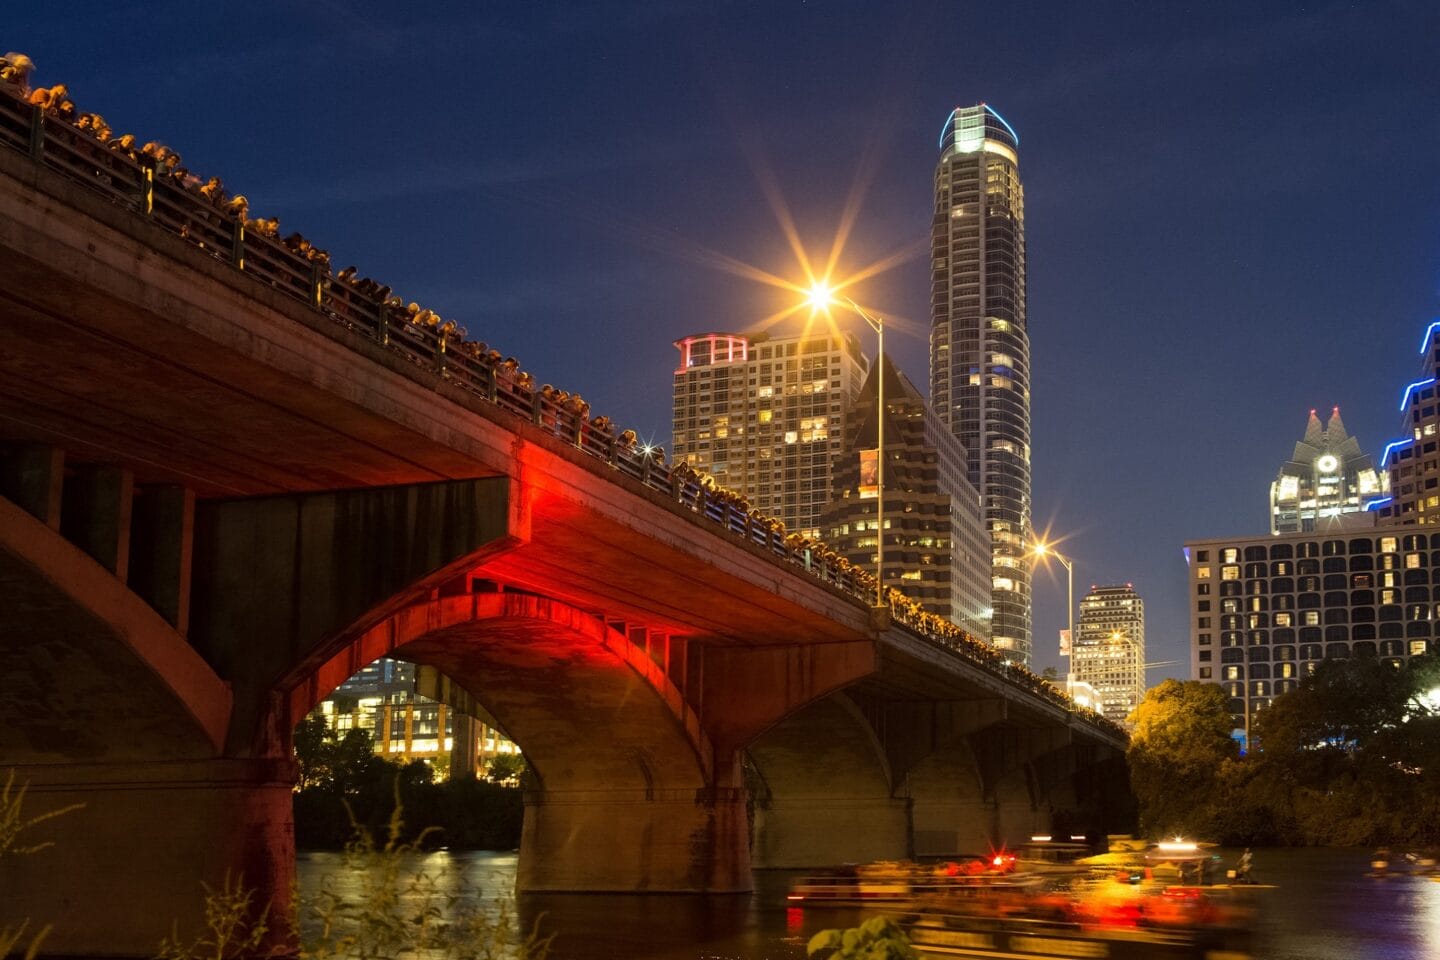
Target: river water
[1323,908]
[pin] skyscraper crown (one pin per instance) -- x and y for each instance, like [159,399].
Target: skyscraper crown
[968,129]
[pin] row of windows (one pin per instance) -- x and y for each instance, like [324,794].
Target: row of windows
[1332,631]
[1312,548]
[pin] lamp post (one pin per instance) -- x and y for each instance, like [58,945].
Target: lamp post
[1043,550]
[821,296]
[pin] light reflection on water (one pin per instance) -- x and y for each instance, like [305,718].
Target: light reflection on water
[1324,909]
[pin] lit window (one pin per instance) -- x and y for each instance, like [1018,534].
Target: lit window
[1203,573]
[1229,573]
[1312,618]
[1417,648]
[1229,555]
[765,416]
[1412,561]
[1387,544]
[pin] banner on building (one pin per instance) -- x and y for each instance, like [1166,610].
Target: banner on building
[1064,643]
[870,473]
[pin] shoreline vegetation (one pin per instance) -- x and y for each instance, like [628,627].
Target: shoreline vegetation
[345,785]
[1349,758]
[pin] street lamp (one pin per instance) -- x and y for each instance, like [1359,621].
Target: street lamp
[1043,550]
[821,297]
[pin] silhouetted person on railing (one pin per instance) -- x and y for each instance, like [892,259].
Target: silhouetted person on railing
[15,70]
[50,99]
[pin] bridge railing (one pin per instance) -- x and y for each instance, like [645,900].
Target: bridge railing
[132,180]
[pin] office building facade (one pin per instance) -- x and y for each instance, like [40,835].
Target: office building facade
[980,346]
[1327,476]
[766,416]
[1412,462]
[1108,650]
[1266,610]
[936,550]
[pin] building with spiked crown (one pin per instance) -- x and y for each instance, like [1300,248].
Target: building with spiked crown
[1327,476]
[1267,610]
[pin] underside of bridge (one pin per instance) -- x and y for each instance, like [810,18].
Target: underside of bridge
[216,504]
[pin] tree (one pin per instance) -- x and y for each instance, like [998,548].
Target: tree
[1344,705]
[1181,738]
[314,749]
[505,768]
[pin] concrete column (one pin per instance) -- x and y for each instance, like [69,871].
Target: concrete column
[161,549]
[463,748]
[820,831]
[670,841]
[32,478]
[954,826]
[127,867]
[96,516]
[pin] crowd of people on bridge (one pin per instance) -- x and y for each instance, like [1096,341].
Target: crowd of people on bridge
[566,414]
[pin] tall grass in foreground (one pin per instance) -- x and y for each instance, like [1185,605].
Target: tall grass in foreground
[14,823]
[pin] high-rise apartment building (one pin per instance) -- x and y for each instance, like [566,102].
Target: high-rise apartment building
[980,347]
[1413,460]
[936,550]
[1327,476]
[765,417]
[1108,651]
[1266,610]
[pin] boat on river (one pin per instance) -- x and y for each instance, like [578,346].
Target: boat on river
[901,884]
[1048,856]
[1115,920]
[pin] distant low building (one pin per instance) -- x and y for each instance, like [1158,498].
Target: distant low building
[1108,651]
[382,700]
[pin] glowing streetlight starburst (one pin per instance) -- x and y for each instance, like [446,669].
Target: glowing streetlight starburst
[820,296]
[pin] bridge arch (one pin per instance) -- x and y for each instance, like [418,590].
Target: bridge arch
[951,815]
[824,790]
[550,674]
[627,796]
[89,672]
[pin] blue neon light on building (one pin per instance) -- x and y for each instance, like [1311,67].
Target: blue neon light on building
[1378,502]
[1429,332]
[1393,445]
[991,110]
[1418,384]
[946,129]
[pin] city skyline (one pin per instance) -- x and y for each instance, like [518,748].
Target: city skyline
[1166,315]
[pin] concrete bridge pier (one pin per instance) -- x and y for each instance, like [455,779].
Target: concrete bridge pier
[1008,757]
[635,841]
[126,866]
[826,793]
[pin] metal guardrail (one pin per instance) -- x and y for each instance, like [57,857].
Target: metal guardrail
[133,182]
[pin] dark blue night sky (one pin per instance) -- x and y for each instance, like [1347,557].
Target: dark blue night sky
[1233,209]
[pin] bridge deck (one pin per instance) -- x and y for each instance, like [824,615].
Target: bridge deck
[240,368]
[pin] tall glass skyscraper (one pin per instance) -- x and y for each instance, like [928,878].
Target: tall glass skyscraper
[979,345]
